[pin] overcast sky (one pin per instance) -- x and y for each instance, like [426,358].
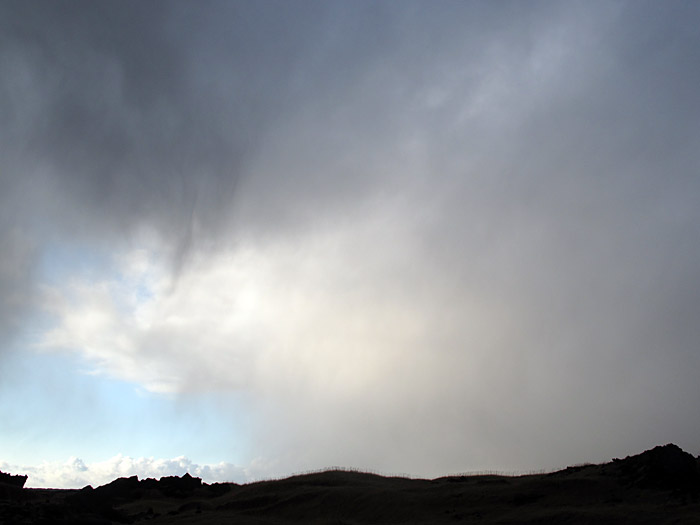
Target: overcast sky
[254,238]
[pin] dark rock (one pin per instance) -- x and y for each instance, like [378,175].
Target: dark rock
[149,484]
[11,487]
[13,480]
[119,488]
[175,486]
[666,467]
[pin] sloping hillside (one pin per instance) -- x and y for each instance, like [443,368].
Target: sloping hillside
[661,485]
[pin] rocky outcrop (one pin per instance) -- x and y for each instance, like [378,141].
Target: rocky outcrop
[174,486]
[11,486]
[119,488]
[663,467]
[14,481]
[131,488]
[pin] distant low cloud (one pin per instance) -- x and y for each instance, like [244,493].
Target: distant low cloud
[75,473]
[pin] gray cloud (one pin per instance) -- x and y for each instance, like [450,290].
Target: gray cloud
[120,115]
[540,161]
[104,104]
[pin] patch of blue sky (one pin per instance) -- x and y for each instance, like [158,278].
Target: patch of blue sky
[53,407]
[141,290]
[52,410]
[63,264]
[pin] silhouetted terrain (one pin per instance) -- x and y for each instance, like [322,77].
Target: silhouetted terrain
[661,485]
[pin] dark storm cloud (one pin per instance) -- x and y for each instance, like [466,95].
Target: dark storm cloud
[145,111]
[122,114]
[150,111]
[110,99]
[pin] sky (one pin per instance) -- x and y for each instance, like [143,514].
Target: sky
[247,239]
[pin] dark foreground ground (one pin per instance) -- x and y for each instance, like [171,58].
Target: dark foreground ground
[659,486]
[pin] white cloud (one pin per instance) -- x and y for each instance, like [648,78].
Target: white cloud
[75,473]
[340,338]
[381,340]
[330,310]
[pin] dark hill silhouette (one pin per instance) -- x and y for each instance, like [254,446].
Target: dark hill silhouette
[661,485]
[14,481]
[10,486]
[661,467]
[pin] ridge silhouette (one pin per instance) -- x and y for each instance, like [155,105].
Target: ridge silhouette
[660,485]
